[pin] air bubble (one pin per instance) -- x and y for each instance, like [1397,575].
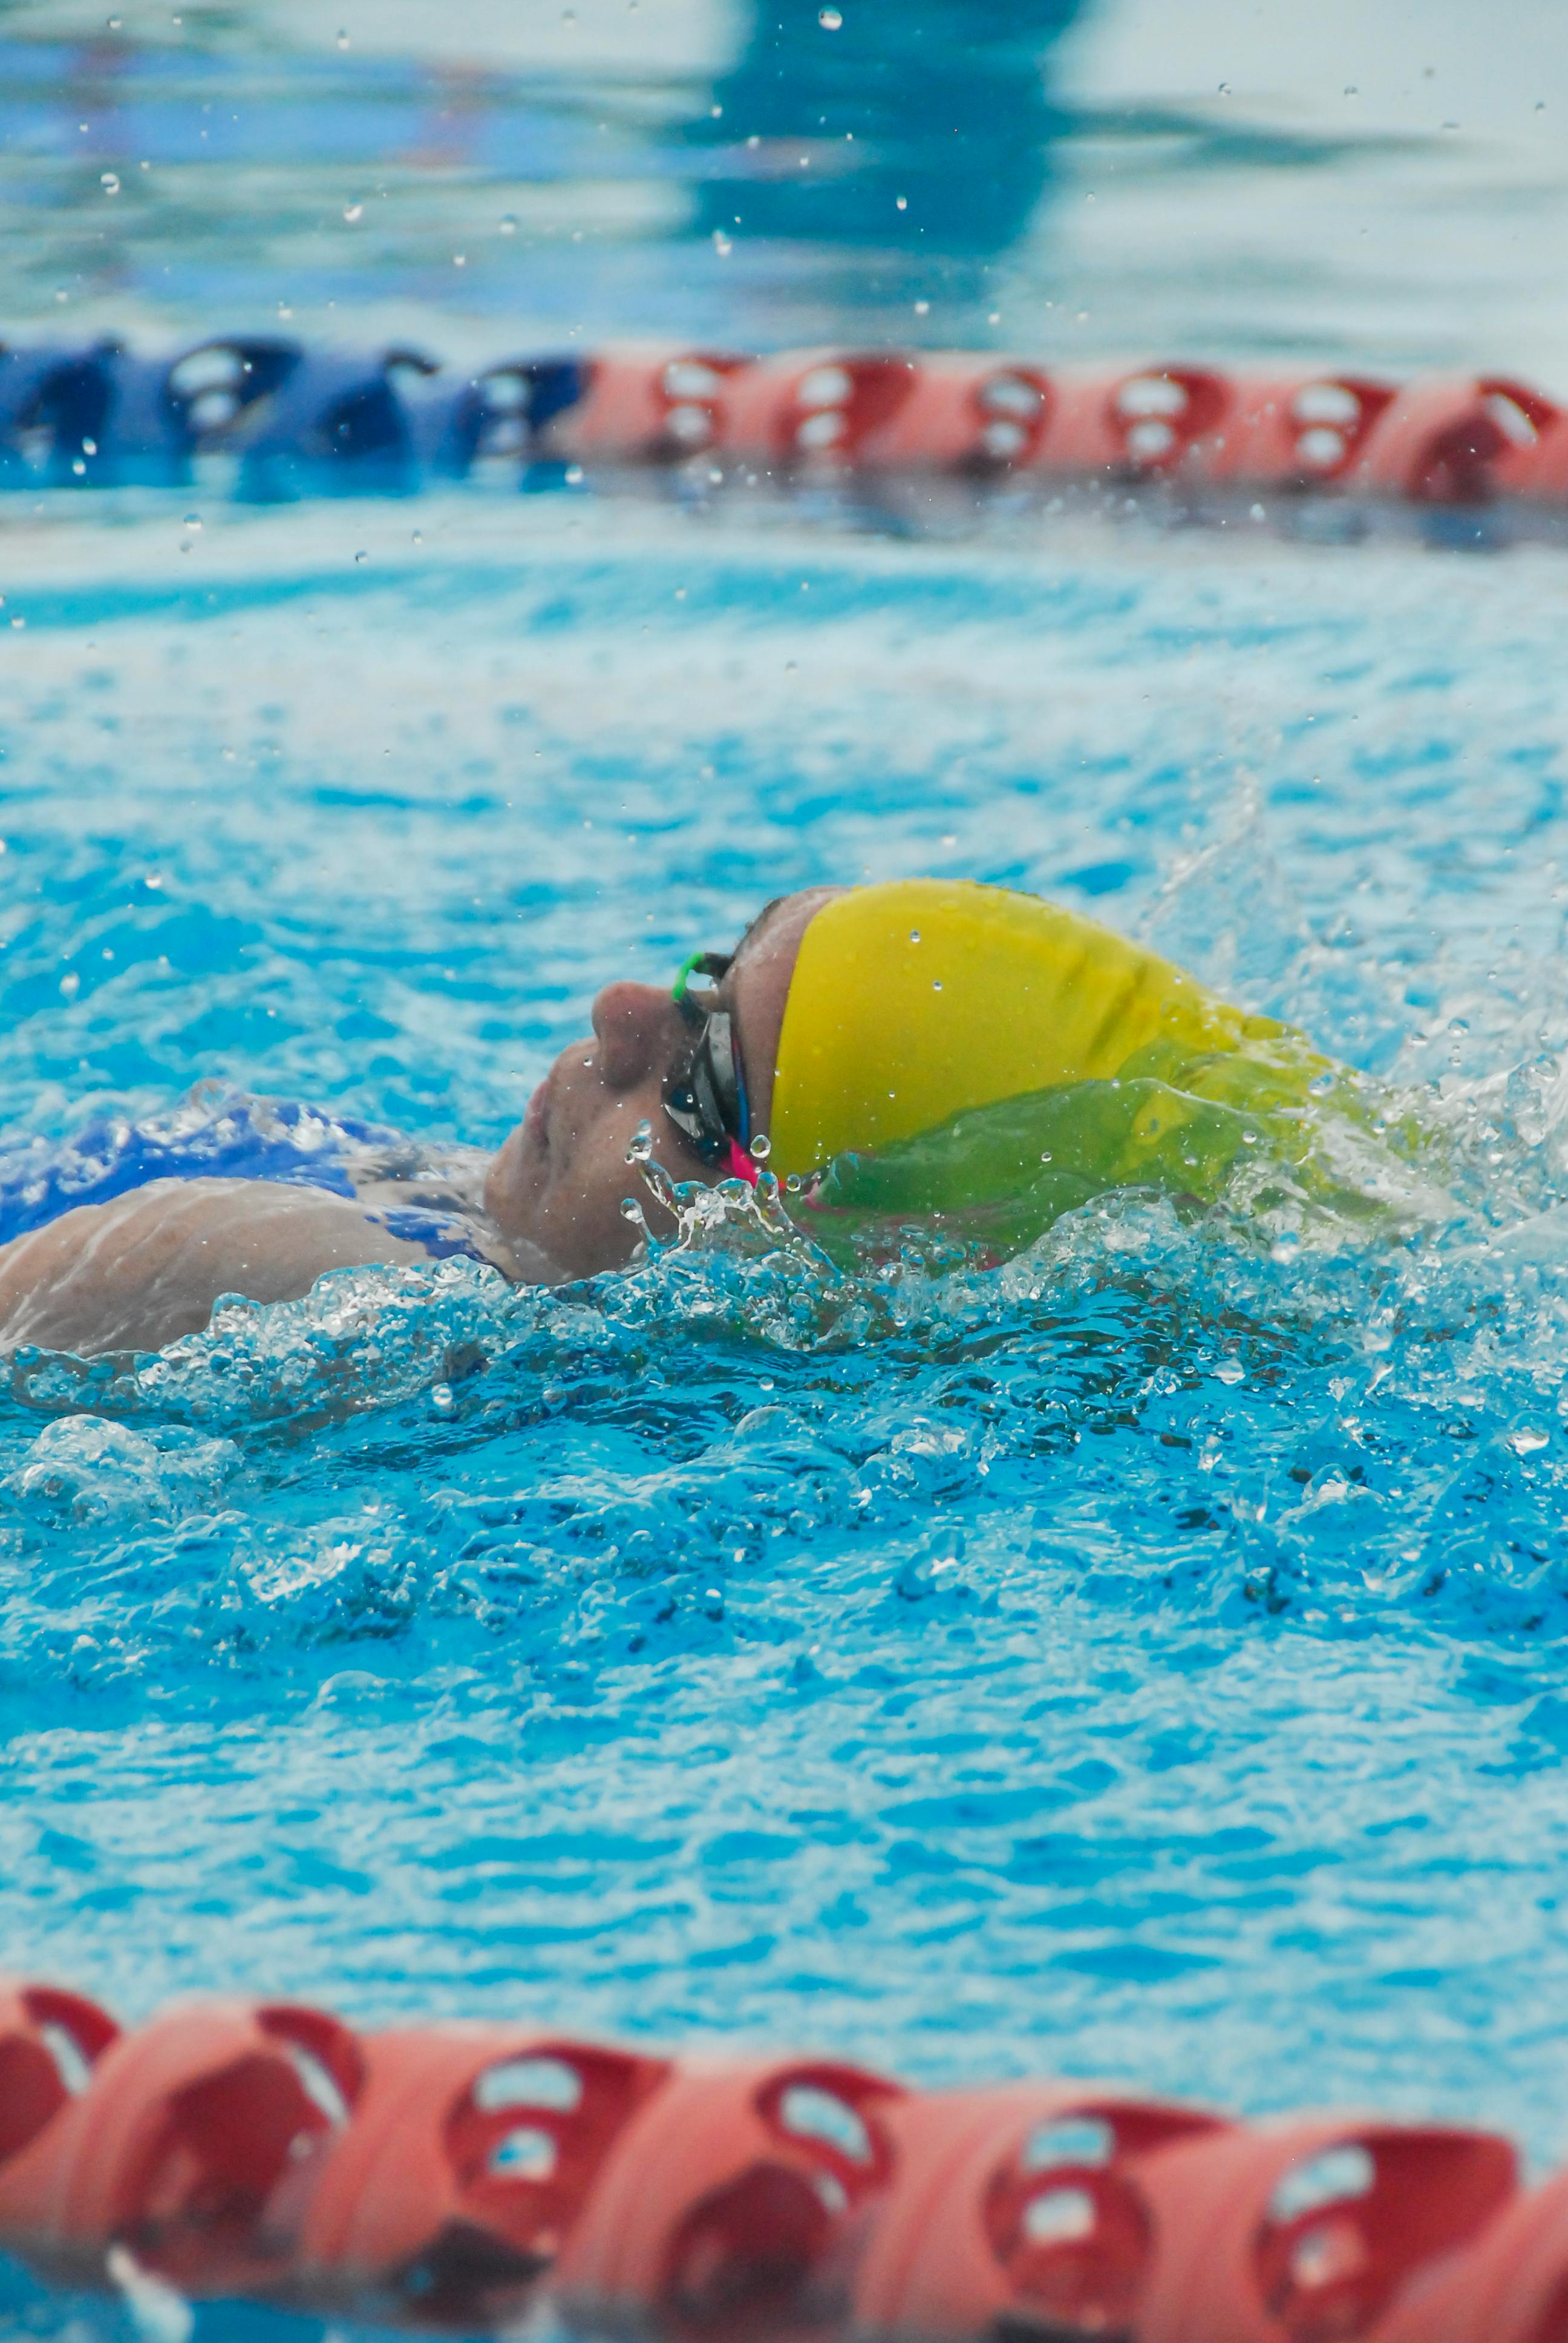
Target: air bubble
[192,520]
[441,1399]
[760,1148]
[574,476]
[831,19]
[508,224]
[352,212]
[110,183]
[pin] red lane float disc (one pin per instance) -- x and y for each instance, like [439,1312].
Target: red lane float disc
[1015,2209]
[734,2205]
[815,408]
[646,407]
[1131,423]
[1299,432]
[176,2146]
[1309,2232]
[1465,443]
[981,415]
[468,2157]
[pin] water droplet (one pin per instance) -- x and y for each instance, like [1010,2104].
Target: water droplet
[914,935]
[192,520]
[343,40]
[1045,1155]
[70,985]
[903,203]
[508,223]
[922,308]
[831,19]
[574,476]
[418,536]
[115,23]
[722,245]
[441,1398]
[760,1148]
[1285,1246]
[459,260]
[110,182]
[360,556]
[1525,1442]
[352,212]
[1229,1370]
[640,1146]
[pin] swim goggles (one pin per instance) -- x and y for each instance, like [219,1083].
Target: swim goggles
[707,1101]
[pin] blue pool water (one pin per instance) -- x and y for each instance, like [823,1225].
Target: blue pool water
[1144,1659]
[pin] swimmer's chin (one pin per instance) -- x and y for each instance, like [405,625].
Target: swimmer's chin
[528,1263]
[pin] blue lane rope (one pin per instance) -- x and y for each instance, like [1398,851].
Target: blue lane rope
[300,422]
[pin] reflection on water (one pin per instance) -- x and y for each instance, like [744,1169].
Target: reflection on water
[921,132]
[1066,175]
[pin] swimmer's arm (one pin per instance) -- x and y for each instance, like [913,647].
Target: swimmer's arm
[137,1272]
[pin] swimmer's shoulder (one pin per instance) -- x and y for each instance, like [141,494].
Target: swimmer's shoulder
[146,1267]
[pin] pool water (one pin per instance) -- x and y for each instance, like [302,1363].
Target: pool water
[1144,1659]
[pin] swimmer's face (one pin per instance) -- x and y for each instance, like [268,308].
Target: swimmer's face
[557,1184]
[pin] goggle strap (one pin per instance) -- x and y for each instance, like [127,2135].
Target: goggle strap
[697,963]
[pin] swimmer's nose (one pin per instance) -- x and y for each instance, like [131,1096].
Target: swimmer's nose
[636,1026]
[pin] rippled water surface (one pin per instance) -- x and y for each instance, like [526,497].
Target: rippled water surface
[1145,1658]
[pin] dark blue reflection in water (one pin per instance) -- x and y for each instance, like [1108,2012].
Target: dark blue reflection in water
[943,106]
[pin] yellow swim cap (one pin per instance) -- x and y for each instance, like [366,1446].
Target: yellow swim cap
[913,1001]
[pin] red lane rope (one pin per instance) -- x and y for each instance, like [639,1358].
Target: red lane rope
[1462,441]
[469,2176]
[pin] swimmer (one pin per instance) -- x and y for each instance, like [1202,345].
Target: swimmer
[918,1048]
